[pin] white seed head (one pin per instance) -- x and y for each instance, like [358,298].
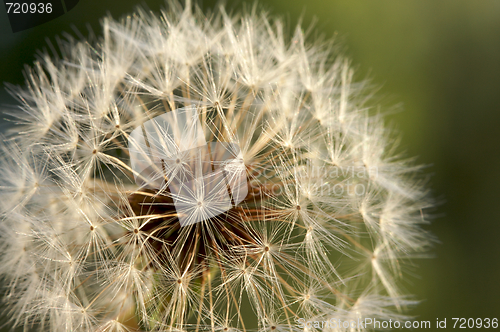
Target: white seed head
[202,172]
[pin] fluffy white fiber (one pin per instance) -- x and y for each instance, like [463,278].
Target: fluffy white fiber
[329,218]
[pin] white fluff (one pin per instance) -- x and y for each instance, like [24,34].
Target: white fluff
[335,215]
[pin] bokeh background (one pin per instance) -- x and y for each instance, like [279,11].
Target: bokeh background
[437,66]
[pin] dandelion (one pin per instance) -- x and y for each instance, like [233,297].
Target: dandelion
[195,171]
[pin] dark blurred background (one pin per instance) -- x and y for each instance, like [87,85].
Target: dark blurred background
[440,61]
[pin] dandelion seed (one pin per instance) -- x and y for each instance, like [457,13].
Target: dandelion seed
[189,167]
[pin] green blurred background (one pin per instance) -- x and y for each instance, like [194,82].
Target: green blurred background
[439,60]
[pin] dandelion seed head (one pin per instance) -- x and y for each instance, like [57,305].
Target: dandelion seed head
[194,171]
